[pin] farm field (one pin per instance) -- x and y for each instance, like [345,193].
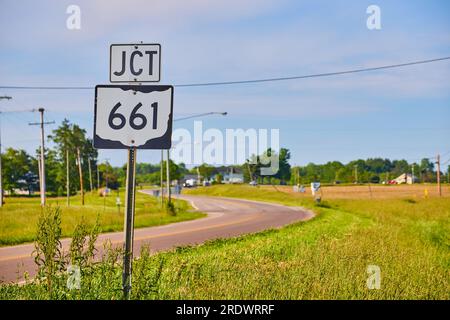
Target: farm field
[19,215]
[324,258]
[372,191]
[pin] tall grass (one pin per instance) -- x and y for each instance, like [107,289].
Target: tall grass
[19,216]
[324,258]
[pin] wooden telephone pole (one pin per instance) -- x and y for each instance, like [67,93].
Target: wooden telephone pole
[42,161]
[67,177]
[81,176]
[438,162]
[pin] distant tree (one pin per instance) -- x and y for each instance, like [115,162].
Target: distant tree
[206,171]
[109,175]
[219,178]
[378,165]
[400,167]
[374,179]
[69,138]
[174,170]
[426,170]
[16,165]
[284,172]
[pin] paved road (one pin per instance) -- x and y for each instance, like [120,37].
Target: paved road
[226,218]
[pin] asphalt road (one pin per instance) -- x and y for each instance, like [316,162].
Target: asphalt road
[226,218]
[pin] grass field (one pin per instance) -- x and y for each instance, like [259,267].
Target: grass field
[19,215]
[371,191]
[324,258]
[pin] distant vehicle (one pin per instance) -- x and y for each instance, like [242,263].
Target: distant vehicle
[190,183]
[253,183]
[206,183]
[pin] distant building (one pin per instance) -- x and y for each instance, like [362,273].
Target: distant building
[230,174]
[407,178]
[233,178]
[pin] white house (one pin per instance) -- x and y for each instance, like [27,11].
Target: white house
[407,178]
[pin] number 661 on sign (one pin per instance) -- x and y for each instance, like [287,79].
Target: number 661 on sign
[129,116]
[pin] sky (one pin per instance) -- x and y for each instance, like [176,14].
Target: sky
[398,113]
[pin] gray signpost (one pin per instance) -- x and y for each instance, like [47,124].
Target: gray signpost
[133,116]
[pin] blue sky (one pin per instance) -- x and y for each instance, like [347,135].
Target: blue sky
[397,113]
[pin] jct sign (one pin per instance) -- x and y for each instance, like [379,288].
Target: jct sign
[135,63]
[133,116]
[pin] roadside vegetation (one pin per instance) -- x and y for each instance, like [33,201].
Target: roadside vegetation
[19,215]
[324,258]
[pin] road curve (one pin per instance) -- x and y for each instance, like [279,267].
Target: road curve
[226,218]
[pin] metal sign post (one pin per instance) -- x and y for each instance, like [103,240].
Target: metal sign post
[133,116]
[129,222]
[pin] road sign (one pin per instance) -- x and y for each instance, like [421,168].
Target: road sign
[131,116]
[135,63]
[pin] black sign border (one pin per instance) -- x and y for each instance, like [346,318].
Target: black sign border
[133,44]
[164,142]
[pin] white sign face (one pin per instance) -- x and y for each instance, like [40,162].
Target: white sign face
[133,116]
[135,63]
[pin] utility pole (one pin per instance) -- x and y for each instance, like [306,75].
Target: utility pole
[438,162]
[98,177]
[81,176]
[162,171]
[40,173]
[168,175]
[67,177]
[42,165]
[356,174]
[249,172]
[1,177]
[412,171]
[43,190]
[90,174]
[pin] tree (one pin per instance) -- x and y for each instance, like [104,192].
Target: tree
[109,175]
[218,178]
[206,171]
[426,169]
[71,141]
[17,167]
[175,172]
[284,172]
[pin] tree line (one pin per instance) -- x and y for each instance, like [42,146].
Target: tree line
[74,159]
[372,170]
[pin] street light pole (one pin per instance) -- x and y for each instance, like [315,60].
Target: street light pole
[41,110]
[1,177]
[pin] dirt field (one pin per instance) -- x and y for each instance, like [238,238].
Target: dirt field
[372,191]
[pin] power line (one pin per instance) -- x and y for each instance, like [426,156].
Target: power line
[204,84]
[328,74]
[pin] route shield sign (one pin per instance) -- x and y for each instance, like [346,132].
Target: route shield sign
[135,63]
[129,116]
